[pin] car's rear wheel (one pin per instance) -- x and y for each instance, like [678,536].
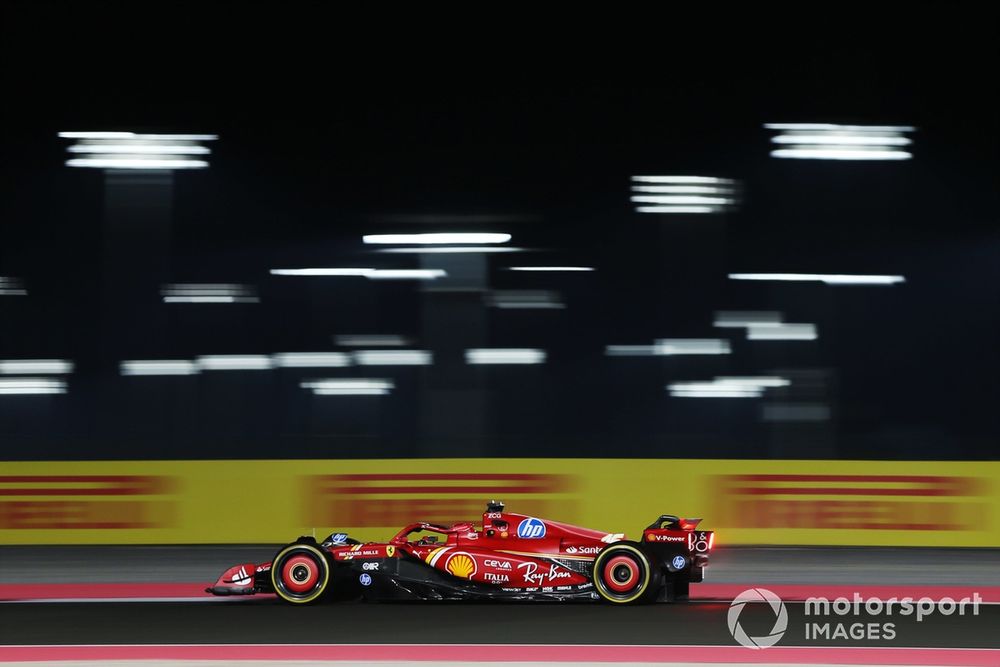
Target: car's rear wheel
[300,573]
[624,574]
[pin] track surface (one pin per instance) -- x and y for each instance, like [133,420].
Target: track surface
[264,620]
[267,621]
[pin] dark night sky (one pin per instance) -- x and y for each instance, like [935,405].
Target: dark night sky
[329,122]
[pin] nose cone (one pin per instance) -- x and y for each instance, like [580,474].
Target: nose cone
[237,580]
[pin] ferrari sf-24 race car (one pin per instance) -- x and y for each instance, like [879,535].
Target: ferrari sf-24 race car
[511,557]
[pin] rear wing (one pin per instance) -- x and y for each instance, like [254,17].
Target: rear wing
[683,533]
[671,522]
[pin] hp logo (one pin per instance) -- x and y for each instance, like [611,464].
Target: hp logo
[679,562]
[531,529]
[366,579]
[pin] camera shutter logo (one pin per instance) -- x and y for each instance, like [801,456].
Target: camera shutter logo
[780,618]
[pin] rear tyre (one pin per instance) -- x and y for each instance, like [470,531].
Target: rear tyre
[300,573]
[624,574]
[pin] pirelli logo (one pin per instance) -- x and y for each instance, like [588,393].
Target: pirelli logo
[851,502]
[393,500]
[107,502]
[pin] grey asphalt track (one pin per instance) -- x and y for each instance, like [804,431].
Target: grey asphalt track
[264,620]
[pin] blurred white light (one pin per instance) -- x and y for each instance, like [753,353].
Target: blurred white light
[206,299]
[525,299]
[348,271]
[678,346]
[679,189]
[372,274]
[714,393]
[35,367]
[135,163]
[833,127]
[10,386]
[860,140]
[694,200]
[630,350]
[828,278]
[839,154]
[827,141]
[130,150]
[677,209]
[97,135]
[784,331]
[862,280]
[206,288]
[349,387]
[746,318]
[142,149]
[754,381]
[234,362]
[392,357]
[159,367]
[666,347]
[683,194]
[208,293]
[138,136]
[371,340]
[567,269]
[727,387]
[712,390]
[765,325]
[435,238]
[683,179]
[452,250]
[406,274]
[311,359]
[12,287]
[504,356]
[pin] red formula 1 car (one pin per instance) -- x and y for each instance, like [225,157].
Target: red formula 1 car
[512,557]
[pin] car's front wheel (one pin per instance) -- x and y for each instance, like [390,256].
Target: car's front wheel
[300,573]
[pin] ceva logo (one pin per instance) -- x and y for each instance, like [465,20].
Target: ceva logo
[531,529]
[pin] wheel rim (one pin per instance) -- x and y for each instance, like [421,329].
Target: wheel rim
[621,574]
[299,574]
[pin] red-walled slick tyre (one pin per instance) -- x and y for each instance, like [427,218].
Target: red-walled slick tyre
[624,574]
[300,573]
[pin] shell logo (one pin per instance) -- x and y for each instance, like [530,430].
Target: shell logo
[461,565]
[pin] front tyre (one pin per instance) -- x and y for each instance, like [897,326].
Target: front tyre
[300,573]
[624,574]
